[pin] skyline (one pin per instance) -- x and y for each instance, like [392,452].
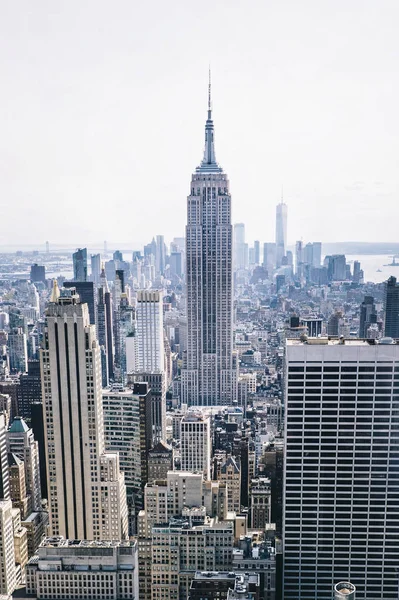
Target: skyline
[309,103]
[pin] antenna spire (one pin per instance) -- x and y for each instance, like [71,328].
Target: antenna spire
[209,92]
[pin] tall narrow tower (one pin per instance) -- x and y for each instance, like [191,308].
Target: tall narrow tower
[208,376]
[281,231]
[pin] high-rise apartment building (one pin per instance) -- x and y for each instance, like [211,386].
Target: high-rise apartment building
[391,306]
[160,255]
[195,436]
[208,376]
[79,259]
[149,324]
[281,232]
[341,494]
[79,473]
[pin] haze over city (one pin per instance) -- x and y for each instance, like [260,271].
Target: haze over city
[102,115]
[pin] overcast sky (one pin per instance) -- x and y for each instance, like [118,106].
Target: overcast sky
[103,107]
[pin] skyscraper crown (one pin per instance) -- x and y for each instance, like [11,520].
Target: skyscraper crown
[209,164]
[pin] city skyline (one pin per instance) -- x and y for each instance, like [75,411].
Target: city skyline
[300,101]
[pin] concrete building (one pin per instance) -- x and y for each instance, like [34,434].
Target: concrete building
[195,436]
[160,461]
[37,273]
[230,474]
[342,427]
[8,577]
[260,503]
[83,569]
[208,376]
[4,473]
[30,389]
[180,549]
[79,472]
[21,442]
[218,585]
[368,316]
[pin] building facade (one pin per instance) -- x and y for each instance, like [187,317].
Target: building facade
[195,436]
[341,495]
[79,473]
[208,377]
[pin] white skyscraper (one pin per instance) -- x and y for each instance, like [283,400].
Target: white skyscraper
[208,377]
[195,436]
[8,578]
[80,475]
[150,342]
[281,232]
[341,492]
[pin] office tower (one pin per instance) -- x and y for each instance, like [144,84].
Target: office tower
[160,255]
[340,482]
[122,434]
[356,271]
[230,474]
[391,308]
[88,295]
[79,259]
[117,256]
[8,578]
[123,332]
[105,328]
[281,232]
[337,267]
[18,350]
[299,259]
[157,384]
[334,324]
[30,389]
[160,461]
[95,261]
[195,435]
[314,326]
[176,265]
[149,325]
[21,442]
[208,376]
[269,257]
[316,254]
[240,247]
[4,476]
[10,387]
[368,315]
[79,473]
[37,273]
[37,424]
[80,569]
[257,252]
[308,254]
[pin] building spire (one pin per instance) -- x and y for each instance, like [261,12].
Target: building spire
[209,164]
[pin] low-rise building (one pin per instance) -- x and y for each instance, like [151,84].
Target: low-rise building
[83,569]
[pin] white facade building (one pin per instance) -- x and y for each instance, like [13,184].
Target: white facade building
[83,569]
[79,474]
[341,493]
[150,342]
[195,436]
[281,232]
[208,376]
[8,577]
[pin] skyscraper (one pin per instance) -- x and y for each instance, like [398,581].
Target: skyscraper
[208,377]
[196,444]
[281,231]
[391,306]
[240,247]
[79,259]
[81,477]
[341,494]
[95,268]
[257,252]
[368,315]
[149,318]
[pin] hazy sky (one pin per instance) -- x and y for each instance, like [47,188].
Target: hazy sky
[103,106]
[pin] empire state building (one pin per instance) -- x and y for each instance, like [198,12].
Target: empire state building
[208,375]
